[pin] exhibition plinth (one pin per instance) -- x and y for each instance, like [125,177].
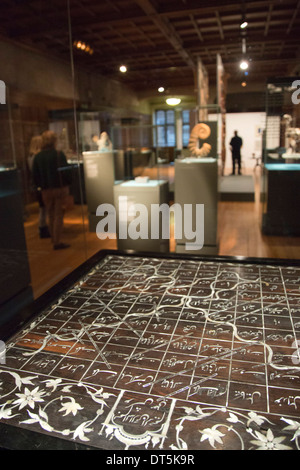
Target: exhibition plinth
[239,188]
[101,171]
[282,199]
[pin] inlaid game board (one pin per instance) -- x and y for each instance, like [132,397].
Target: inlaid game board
[162,353]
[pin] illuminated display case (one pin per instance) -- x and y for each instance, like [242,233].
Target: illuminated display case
[124,153]
[142,152]
[281,160]
[196,178]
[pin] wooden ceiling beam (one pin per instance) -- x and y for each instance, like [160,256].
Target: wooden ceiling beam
[268,20]
[220,25]
[293,18]
[166,29]
[196,7]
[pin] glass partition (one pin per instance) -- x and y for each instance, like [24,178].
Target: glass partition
[140,152]
[44,236]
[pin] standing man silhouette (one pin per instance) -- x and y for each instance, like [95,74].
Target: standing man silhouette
[236,144]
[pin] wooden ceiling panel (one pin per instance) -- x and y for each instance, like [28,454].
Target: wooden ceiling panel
[161,38]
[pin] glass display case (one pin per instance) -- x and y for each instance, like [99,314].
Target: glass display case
[123,163]
[141,151]
[7,142]
[281,159]
[196,179]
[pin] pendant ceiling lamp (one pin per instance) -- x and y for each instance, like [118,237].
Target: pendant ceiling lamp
[173,101]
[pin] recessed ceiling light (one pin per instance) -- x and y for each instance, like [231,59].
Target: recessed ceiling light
[244,65]
[173,101]
[123,68]
[161,89]
[82,46]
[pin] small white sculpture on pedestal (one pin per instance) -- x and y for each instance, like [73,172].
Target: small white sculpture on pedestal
[104,143]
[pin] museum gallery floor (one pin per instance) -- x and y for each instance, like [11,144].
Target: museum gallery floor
[162,353]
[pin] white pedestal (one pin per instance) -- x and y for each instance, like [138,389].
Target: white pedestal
[100,175]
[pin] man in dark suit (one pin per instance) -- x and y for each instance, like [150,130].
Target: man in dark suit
[236,144]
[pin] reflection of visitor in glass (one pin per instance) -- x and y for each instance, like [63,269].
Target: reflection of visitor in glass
[236,144]
[48,176]
[34,149]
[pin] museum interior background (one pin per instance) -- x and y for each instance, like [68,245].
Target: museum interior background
[60,65]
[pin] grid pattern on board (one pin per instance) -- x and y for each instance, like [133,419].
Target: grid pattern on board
[169,353]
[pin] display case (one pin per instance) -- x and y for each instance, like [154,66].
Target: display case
[141,151]
[7,139]
[196,182]
[15,282]
[281,159]
[126,153]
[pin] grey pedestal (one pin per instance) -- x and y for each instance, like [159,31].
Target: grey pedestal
[101,169]
[153,192]
[281,209]
[196,182]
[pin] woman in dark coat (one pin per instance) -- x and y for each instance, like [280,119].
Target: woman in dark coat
[48,175]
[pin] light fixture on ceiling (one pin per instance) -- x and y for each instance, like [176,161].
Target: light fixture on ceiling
[244,84]
[244,24]
[244,46]
[123,68]
[173,101]
[82,46]
[244,65]
[161,89]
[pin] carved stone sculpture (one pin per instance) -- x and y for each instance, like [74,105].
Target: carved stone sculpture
[200,131]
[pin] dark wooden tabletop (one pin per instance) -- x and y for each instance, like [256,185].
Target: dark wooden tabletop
[159,353]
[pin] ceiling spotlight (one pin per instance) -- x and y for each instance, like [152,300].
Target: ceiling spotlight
[244,24]
[161,89]
[173,101]
[82,46]
[123,69]
[244,65]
